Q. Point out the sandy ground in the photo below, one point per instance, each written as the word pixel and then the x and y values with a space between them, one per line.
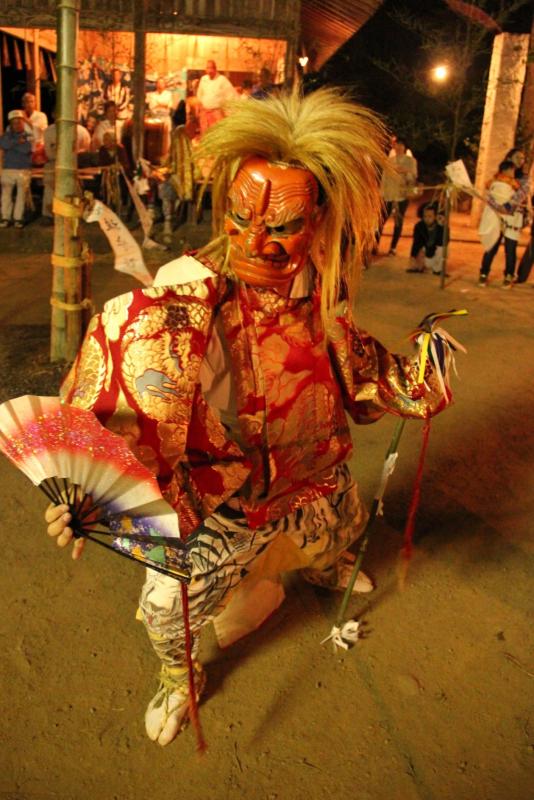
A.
pixel 437 701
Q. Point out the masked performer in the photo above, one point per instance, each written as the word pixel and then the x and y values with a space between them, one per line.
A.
pixel 232 376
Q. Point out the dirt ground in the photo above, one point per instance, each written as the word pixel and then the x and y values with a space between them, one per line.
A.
pixel 437 703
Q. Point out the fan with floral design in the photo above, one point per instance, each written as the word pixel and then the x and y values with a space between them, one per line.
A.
pixel 113 499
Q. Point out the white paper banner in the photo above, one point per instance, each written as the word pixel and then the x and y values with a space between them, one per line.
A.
pixel 128 255
pixel 458 174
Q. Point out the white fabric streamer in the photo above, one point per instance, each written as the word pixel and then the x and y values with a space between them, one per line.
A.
pixel 387 470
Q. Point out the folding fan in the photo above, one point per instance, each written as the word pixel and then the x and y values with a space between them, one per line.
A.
pixel 114 500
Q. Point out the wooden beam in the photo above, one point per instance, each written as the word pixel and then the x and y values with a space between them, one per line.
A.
pixel 36 70
pixel 139 99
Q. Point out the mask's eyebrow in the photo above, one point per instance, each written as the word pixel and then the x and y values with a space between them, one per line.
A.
pixel 289 213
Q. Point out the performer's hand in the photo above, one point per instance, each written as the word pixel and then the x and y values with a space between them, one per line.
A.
pixel 57 519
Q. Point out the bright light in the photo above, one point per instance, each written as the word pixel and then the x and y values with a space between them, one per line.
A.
pixel 303 60
pixel 440 73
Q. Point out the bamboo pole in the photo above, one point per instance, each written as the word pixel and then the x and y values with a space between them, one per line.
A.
pixel 69 306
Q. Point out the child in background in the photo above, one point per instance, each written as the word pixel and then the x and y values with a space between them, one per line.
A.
pixel 427 245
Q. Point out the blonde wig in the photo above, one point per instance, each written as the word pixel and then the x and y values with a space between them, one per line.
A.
pixel 341 143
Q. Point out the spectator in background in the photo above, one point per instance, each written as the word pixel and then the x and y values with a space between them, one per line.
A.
pixel 427 244
pixel 214 92
pixel 83 145
pixel 245 90
pixel 35 119
pixel 113 188
pixel 527 260
pixel 109 123
pixel 525 181
pixel 265 86
pixel 113 152
pixel 120 95
pixel 16 143
pixel 392 152
pixel 91 121
pixel 160 105
pixel 179 116
pixel 37 122
pixel 395 187
pixel 517 156
pixel 502 218
pixel 160 102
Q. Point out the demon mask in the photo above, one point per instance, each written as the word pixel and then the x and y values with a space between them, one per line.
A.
pixel 272 216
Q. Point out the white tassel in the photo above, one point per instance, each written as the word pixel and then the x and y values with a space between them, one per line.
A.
pixel 346 636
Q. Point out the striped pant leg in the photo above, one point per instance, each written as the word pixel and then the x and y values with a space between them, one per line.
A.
pixel 327 527
pixel 222 551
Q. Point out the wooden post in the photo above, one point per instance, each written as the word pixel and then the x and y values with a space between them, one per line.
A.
pixel 139 99
pixel 1 116
pixel 1 112
pixel 526 113
pixel 36 69
pixel 68 300
pixel 446 224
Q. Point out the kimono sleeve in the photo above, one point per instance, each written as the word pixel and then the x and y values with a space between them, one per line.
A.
pixel 138 368
pixel 375 381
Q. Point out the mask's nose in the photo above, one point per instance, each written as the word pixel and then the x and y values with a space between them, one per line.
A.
pixel 255 240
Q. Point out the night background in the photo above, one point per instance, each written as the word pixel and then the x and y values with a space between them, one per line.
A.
pixel 387 66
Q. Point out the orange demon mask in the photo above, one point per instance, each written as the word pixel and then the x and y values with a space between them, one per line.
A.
pixel 271 220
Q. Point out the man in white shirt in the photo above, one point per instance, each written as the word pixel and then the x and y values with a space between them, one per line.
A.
pixel 35 119
pixel 83 144
pixel 396 187
pixel 120 95
pixel 160 102
pixel 213 93
pixel 160 107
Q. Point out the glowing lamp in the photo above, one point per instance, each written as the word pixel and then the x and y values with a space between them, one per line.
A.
pixel 440 73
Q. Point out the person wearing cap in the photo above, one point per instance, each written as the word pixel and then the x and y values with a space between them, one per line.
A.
pixel 16 143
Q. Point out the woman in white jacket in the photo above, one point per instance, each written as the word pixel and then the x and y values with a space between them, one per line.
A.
pixel 502 218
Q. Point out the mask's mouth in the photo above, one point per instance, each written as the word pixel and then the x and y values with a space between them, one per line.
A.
pixel 267 272
pixel 273 255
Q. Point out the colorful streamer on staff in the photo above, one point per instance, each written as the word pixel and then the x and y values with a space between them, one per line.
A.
pixel 437 344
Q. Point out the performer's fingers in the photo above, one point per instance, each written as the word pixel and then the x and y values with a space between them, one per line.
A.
pixel 57 528
pixel 54 512
pixel 65 537
pixel 77 548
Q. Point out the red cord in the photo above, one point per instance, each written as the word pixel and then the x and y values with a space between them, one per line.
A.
pixel 193 704
pixel 406 552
